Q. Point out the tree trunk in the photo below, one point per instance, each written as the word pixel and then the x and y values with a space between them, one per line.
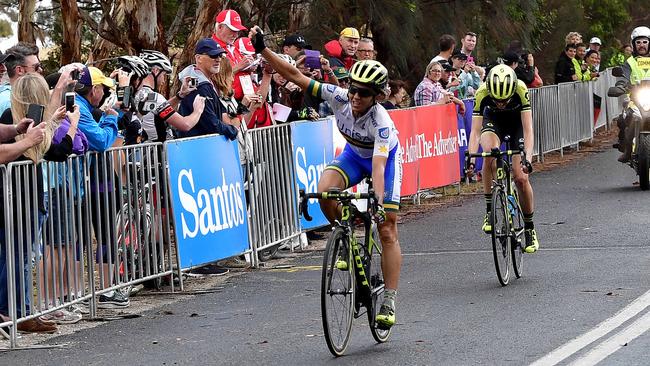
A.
pixel 142 22
pixel 205 14
pixel 25 25
pixel 71 47
pixel 298 17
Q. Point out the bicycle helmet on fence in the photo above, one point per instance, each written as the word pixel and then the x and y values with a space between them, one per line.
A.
pixel 501 82
pixel 155 58
pixel 371 73
pixel 288 59
pixel 135 64
pixel 639 32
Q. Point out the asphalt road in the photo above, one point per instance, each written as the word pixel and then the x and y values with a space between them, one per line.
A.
pixel 581 299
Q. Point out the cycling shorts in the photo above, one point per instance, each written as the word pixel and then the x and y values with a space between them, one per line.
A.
pixel 504 126
pixel 354 168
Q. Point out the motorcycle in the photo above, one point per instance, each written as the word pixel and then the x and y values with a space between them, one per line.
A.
pixel 640 95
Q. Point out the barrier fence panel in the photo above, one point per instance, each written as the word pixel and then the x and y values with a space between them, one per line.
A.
pixel 128 204
pixel 5 257
pixel 585 109
pixel 274 215
pixel 600 87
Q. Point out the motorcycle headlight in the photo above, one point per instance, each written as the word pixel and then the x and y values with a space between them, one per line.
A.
pixel 643 97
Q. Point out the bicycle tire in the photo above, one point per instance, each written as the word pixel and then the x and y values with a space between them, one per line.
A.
pixel 336 283
pixel 517 239
pixel 500 234
pixel 376 278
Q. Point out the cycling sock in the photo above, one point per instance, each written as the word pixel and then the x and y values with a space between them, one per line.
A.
pixel 389 298
pixel 488 201
pixel 528 221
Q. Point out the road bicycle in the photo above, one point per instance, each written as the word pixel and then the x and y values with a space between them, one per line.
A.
pixel 508 239
pixel 352 282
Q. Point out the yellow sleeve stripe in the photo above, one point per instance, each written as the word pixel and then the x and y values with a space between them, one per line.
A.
pixel 314 88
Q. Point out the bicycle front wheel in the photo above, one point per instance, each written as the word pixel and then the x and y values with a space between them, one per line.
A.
pixel 337 292
pixel 376 277
pixel 501 234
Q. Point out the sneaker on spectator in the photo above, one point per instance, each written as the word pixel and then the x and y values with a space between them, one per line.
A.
pixel 112 300
pixel 234 262
pixel 80 308
pixel 62 317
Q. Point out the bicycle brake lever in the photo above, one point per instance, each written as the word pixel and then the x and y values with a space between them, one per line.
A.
pixel 304 206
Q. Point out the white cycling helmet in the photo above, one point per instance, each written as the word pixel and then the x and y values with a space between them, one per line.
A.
pixel 155 58
pixel 288 59
pixel 135 64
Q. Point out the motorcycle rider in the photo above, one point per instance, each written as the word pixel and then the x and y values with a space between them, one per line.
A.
pixel 633 72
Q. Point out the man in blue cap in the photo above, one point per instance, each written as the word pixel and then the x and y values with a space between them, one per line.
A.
pixel 208 56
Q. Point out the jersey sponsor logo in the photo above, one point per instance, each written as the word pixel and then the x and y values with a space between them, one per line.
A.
pixel 330 88
pixel 384 132
pixel 340 99
pixel 383 149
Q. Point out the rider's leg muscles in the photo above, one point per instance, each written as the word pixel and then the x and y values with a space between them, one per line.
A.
pixel 331 178
pixel 391 258
pixel 526 198
pixel 489 140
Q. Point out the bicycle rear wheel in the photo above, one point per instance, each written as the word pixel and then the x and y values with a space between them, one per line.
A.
pixel 337 293
pixel 500 235
pixel 376 278
pixel 517 239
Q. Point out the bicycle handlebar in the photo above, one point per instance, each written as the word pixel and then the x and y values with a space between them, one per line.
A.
pixel 335 195
pixel 496 152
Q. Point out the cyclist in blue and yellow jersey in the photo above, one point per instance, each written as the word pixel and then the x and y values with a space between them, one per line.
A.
pixel 502 108
pixel 372 149
pixel 635 69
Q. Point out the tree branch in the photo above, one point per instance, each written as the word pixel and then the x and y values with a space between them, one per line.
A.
pixel 178 19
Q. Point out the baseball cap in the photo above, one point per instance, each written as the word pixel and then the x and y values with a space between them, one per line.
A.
pixel 295 40
pixel 447 66
pixel 459 55
pixel 596 40
pixel 340 72
pixel 511 57
pixel 350 33
pixel 4 57
pixel 208 46
pixel 245 46
pixel 232 19
pixel 90 76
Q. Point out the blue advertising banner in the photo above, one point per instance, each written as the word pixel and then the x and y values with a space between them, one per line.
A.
pixel 312 151
pixel 464 129
pixel 207 195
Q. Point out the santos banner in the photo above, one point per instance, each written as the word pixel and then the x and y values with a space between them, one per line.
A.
pixel 207 199
pixel 313 149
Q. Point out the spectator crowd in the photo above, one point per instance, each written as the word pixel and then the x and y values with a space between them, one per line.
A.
pixel 227 90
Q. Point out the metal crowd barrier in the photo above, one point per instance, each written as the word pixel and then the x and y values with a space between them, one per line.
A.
pixel 119 197
pixel 272 189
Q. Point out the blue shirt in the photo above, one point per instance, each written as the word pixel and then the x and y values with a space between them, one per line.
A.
pixel 5 97
pixel 100 135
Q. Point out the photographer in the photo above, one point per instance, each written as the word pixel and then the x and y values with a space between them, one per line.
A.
pixel 524 68
pixel 208 56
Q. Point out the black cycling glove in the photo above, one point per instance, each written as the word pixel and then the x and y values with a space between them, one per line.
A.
pixel 258 41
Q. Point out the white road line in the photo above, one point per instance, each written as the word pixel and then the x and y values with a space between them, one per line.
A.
pixel 615 342
pixel 470 251
pixel 597 332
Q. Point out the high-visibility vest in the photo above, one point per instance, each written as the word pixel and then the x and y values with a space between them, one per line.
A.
pixel 640 69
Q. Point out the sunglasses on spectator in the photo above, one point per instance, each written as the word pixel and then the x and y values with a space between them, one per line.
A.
pixel 641 41
pixel 221 55
pixel 361 92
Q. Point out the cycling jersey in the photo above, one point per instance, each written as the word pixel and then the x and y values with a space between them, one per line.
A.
pixel 153 110
pixel 374 133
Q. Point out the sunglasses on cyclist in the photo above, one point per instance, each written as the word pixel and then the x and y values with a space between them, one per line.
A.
pixel 361 92
pixel 644 41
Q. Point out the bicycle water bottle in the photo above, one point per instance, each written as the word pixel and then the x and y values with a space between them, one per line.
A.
pixel 512 205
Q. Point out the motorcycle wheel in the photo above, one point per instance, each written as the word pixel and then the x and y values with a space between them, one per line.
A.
pixel 643 166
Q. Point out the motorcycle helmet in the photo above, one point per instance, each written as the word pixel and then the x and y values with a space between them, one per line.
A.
pixel 639 32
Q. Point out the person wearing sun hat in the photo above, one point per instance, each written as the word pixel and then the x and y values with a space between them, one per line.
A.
pixel 341 51
pixel 90 90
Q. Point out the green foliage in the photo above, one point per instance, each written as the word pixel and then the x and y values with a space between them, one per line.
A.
pixel 5 29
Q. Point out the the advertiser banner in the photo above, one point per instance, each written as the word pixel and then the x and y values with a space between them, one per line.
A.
pixel 436 134
pixel 207 200
pixel 405 123
pixel 464 131
pixel 312 151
